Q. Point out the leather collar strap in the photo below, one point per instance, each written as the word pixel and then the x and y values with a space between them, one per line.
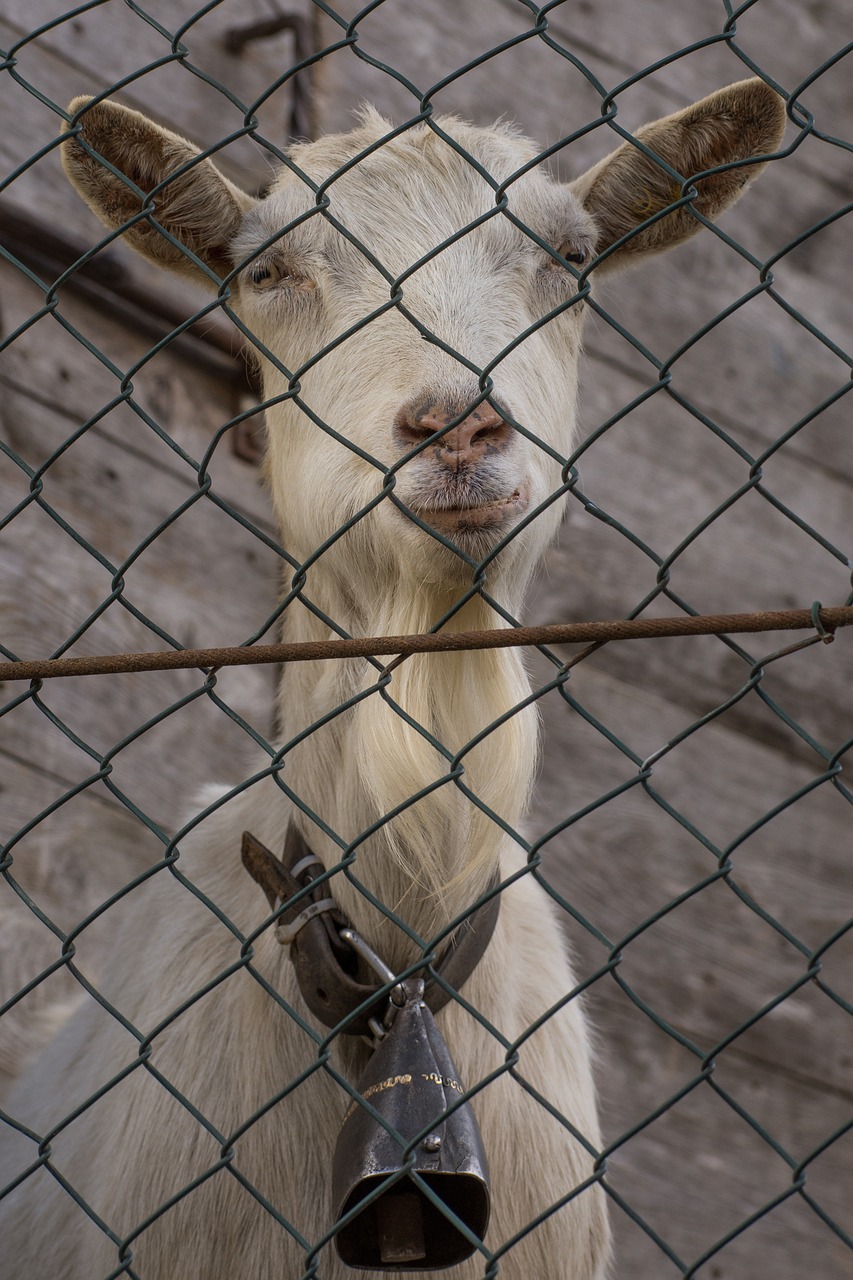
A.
pixel 327 967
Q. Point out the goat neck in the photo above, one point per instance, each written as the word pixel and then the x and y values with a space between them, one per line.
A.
pixel 432 860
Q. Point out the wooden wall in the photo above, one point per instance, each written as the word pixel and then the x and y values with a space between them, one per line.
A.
pixel 699 1168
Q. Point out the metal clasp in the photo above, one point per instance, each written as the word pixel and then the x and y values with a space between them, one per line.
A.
pixel 396 996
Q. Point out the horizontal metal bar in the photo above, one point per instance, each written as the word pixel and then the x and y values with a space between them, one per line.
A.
pixel 829 620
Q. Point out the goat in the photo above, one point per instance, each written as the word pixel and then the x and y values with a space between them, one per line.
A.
pixel 431 455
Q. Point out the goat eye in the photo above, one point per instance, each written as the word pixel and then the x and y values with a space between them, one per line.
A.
pixel 573 254
pixel 268 272
pixel 265 272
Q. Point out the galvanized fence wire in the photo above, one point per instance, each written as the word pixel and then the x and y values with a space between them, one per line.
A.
pixel 33 483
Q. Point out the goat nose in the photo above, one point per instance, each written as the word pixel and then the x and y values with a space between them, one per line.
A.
pixel 480 433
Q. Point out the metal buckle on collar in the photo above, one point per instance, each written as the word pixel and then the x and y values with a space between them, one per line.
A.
pixel 379 1028
pixel 318 937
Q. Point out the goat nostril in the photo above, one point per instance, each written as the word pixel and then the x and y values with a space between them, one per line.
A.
pixel 411 435
pixel 486 435
pixel 479 432
pixel 411 431
pixel 423 430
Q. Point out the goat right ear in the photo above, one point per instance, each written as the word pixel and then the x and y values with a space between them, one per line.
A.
pixel 200 207
pixel 744 121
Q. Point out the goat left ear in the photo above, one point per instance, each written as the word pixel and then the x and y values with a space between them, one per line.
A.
pixel 745 120
pixel 199 207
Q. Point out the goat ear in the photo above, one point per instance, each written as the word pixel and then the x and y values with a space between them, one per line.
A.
pixel 200 208
pixel 744 120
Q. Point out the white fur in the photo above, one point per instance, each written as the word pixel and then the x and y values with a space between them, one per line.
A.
pixel 234 1048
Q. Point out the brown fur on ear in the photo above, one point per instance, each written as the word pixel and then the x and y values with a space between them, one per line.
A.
pixel 743 120
pixel 201 208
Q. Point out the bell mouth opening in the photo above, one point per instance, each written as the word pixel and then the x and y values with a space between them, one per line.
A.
pixel 402 1230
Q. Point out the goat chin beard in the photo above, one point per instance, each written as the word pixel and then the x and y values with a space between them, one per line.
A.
pixel 445 843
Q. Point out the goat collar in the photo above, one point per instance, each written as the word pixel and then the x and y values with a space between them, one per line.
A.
pixel 325 949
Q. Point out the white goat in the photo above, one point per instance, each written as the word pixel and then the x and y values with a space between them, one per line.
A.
pixel 302 286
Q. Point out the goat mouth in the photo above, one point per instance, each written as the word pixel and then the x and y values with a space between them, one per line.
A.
pixel 478 517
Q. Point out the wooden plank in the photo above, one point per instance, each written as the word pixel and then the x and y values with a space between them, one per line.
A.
pixel 114 497
pixel 614 42
pixel 706 967
pixel 540 88
pixel 785 39
pixel 712 962
pixel 187 400
pixel 699 1170
pixel 661 473
pixel 103 46
pixel 759 372
pixel 68 863
pixel 112 43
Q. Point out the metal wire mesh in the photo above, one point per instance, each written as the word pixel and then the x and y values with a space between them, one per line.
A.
pixel 90 765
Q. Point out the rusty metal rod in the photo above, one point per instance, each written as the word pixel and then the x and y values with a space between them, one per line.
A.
pixel 829 620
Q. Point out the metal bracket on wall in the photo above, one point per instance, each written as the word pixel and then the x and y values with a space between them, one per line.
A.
pixel 301 122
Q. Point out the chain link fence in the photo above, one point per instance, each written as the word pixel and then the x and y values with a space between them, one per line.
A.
pixel 699 851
